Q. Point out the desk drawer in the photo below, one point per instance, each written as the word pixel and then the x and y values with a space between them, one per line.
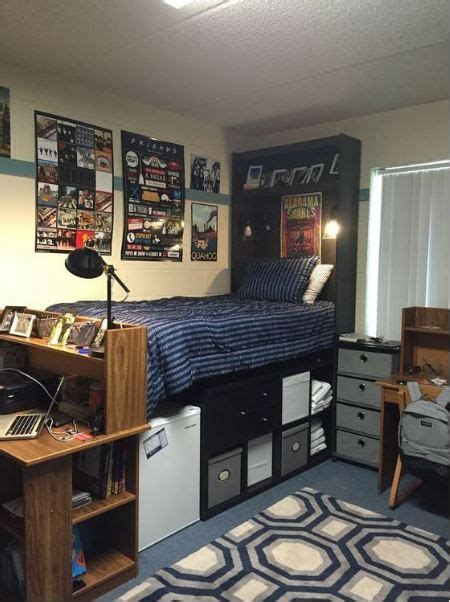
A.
pixel 359 448
pixel 358 419
pixel 359 391
pixel 367 363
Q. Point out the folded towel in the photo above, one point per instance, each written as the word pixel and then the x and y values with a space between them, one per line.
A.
pixel 319 390
pixel 317 434
pixel 315 426
pixel 317 442
pixel 318 449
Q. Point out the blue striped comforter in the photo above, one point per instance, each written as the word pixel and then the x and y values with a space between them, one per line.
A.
pixel 190 339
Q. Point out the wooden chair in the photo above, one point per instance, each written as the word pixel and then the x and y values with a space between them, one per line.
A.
pixel 396 497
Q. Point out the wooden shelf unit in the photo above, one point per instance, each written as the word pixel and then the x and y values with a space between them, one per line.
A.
pixel 40 470
pixel 425 339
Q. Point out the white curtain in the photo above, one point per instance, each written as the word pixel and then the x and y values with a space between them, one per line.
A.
pixel 413 257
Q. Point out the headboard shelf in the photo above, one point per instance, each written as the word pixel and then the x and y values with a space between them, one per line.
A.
pixel 261 208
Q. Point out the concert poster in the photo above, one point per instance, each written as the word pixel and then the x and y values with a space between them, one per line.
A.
pixel 301 224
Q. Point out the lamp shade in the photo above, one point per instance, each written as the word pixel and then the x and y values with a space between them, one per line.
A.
pixel 85 263
pixel 331 229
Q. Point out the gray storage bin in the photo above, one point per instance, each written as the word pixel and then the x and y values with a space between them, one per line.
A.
pixel 224 477
pixel 367 363
pixel 359 391
pixel 294 448
pixel 359 448
pixel 358 419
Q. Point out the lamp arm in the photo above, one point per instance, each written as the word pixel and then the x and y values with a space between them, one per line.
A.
pixel 110 270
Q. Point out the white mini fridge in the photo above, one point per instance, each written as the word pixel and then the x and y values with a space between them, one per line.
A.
pixel 169 473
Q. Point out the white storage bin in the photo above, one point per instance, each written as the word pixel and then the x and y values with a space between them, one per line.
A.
pixel 259 459
pixel 295 397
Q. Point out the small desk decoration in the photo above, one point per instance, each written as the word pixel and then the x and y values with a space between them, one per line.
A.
pixel 22 324
pixel 61 330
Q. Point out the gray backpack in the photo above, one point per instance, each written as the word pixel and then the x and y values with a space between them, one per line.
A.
pixel 423 432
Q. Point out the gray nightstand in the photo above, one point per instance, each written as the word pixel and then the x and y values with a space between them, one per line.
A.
pixel 358 398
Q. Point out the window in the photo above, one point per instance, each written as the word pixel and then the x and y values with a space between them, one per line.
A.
pixel 408 244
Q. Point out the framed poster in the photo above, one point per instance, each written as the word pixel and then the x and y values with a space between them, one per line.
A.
pixel 74 184
pixel 153 182
pixel 205 174
pixel 5 124
pixel 204 232
pixel 301 216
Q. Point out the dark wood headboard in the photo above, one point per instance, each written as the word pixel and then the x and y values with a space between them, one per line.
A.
pixel 261 208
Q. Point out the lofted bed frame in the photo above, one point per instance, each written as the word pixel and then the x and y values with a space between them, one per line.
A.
pixel 240 407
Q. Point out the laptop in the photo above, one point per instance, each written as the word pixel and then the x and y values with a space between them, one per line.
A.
pixel 23 425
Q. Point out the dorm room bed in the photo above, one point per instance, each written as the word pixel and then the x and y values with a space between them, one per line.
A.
pixel 191 339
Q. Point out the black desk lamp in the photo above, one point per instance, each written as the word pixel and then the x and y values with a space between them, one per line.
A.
pixel 88 263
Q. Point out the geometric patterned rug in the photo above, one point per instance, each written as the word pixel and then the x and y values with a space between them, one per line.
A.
pixel 309 546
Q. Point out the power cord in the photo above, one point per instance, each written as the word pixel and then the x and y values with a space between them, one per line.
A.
pixel 66 435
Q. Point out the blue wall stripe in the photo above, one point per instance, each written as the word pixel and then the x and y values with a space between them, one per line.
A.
pixel 16 167
pixel 27 169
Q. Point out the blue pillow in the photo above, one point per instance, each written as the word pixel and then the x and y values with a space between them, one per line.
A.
pixel 277 279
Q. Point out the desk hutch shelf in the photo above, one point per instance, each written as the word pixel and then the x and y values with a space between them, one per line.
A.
pixel 40 470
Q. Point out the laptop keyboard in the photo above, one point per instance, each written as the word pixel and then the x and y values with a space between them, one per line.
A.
pixel 24 425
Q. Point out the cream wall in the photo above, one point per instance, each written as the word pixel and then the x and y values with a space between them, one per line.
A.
pixel 416 134
pixel 38 279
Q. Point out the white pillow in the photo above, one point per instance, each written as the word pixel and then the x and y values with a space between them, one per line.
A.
pixel 317 280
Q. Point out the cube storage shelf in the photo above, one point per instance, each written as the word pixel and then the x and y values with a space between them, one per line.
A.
pixel 246 446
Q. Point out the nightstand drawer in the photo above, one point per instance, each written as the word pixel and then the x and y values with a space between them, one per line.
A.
pixel 367 363
pixel 358 419
pixel 357 447
pixel 358 390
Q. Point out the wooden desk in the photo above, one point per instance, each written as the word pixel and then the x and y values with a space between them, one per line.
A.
pixel 390 415
pixel 40 470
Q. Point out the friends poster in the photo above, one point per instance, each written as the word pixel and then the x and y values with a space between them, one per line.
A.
pixel 153 176
pixel 5 123
pixel 204 232
pixel 74 184
pixel 301 224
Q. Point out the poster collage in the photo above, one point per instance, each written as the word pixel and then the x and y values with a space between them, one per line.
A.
pixel 75 190
pixel 74 184
pixel 153 176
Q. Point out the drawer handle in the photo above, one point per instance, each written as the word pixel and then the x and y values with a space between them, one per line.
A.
pixel 361 415
pixel 363 357
pixel 264 394
pixel 224 475
pixel 242 413
pixel 295 446
pixel 264 420
pixel 362 387
pixel 361 443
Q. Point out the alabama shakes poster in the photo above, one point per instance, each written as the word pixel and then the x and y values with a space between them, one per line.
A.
pixel 153 176
pixel 301 224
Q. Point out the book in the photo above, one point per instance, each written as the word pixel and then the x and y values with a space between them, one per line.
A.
pixel 91 470
pixel 78 559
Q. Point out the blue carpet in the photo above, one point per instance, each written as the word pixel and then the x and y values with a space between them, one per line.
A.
pixel 425 509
